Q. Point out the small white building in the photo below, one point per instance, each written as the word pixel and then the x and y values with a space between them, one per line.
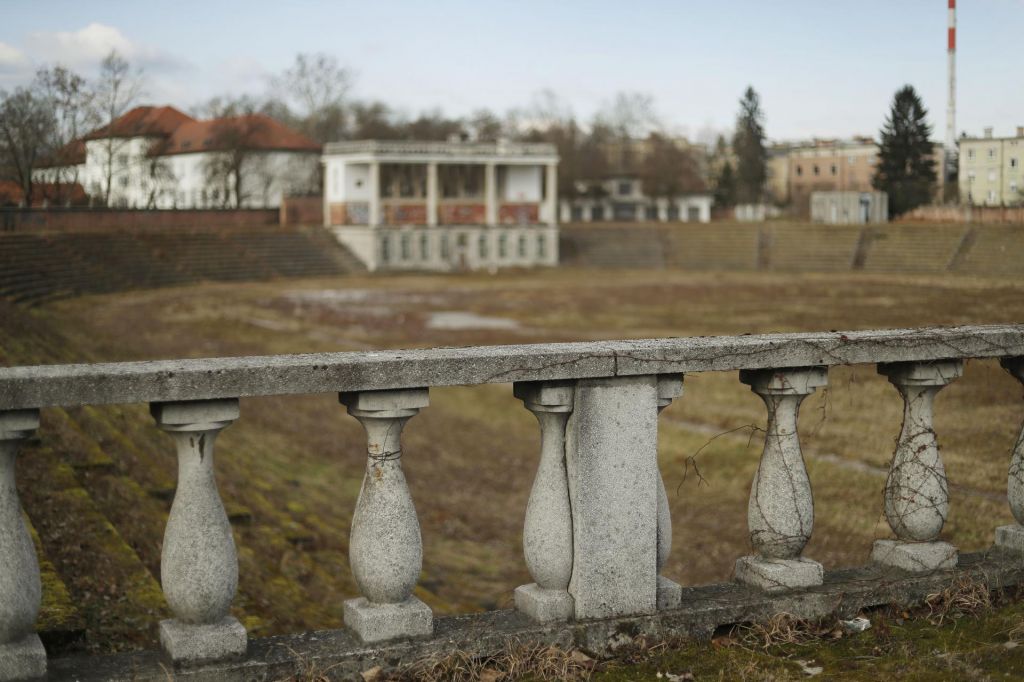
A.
pixel 621 199
pixel 159 157
pixel 849 208
pixel 401 205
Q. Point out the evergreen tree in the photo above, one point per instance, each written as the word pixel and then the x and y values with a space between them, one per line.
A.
pixel 906 169
pixel 725 186
pixel 751 155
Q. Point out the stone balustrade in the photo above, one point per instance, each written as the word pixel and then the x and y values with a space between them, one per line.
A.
pixel 597 527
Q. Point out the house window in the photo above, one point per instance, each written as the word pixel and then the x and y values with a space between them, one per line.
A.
pixel 482 246
pixel 406 247
pixel 522 246
pixel 385 249
pixel 542 246
pixel 1013 187
pixel 834 169
pixel 123 181
pixel 424 246
pixel 991 152
pixel 799 170
pixel 1013 162
pixel 503 246
pixel 970 176
pixel 817 171
pixel 625 189
pixel 992 196
pixel 970 154
pixel 122 159
pixel 444 246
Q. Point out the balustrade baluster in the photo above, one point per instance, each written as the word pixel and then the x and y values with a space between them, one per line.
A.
pixel 1012 536
pixel 670 593
pixel 916 491
pixel 21 652
pixel 547 531
pixel 198 564
pixel 385 547
pixel 780 514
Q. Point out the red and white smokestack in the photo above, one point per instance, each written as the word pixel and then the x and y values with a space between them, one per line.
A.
pixel 951 102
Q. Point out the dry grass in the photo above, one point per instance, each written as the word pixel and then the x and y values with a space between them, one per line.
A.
pixel 965 596
pixel 517 661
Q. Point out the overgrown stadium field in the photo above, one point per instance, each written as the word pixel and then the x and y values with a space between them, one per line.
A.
pixel 97 486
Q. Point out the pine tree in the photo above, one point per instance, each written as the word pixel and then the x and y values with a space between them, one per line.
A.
pixel 725 186
pixel 906 169
pixel 751 155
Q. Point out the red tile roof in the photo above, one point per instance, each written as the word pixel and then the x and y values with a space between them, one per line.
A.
pixel 143 121
pixel 252 131
pixel 182 134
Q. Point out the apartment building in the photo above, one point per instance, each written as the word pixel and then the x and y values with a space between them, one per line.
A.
pixel 990 169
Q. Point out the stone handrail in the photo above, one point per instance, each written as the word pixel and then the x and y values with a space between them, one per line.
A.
pixel 597 526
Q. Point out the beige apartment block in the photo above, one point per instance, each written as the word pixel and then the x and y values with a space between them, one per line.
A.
pixel 828 166
pixel 990 169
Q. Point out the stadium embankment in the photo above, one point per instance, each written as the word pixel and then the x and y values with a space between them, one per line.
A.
pixel 986 250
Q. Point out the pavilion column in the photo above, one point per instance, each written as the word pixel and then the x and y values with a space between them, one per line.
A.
pixel 551 193
pixel 432 193
pixel 374 190
pixel 916 492
pixel 490 194
pixel 21 652
pixel 1012 536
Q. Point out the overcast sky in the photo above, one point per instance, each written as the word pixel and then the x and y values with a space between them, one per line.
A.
pixel 823 67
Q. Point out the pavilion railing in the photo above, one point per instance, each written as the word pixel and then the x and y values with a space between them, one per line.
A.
pixel 597 526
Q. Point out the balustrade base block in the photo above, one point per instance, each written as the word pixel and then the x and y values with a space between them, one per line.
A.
pixel 381 622
pixel 544 606
pixel 778 575
pixel 670 594
pixel 22 660
pixel 916 557
pixel 704 608
pixel 195 643
pixel 1010 537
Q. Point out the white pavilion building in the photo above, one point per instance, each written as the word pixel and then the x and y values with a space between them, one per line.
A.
pixel 401 205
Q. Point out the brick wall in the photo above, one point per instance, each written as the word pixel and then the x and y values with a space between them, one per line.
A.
pixel 100 220
pixel 462 214
pixel 519 214
pixel 302 211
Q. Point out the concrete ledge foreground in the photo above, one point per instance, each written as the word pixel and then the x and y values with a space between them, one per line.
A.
pixel 212 378
pixel 844 592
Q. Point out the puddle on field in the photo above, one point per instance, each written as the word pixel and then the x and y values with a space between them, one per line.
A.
pixel 460 319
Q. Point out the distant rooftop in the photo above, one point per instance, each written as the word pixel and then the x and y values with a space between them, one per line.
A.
pixel 412 148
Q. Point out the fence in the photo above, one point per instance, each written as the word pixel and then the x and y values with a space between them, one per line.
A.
pixel 597 525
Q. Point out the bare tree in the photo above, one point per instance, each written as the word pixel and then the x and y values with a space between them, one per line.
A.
pixel 630 116
pixel 317 86
pixel 236 167
pixel 118 89
pixel 26 131
pixel 668 170
pixel 70 99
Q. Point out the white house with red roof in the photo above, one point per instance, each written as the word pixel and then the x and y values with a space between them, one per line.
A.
pixel 159 157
